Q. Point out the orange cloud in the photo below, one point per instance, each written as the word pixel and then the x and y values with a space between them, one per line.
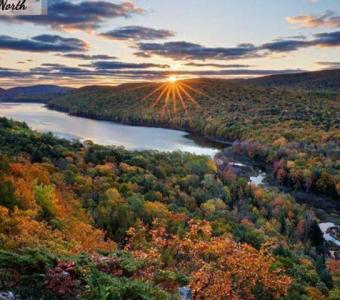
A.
pixel 328 19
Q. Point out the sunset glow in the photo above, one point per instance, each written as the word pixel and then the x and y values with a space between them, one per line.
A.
pixel 172 79
pixel 173 95
pixel 114 42
pixel 170 149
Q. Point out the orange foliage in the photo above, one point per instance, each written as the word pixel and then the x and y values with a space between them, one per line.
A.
pixel 315 294
pixel 129 169
pixel 333 266
pixel 18 230
pixel 24 177
pixel 88 239
pixel 106 168
pixel 219 268
pixel 30 171
pixel 48 216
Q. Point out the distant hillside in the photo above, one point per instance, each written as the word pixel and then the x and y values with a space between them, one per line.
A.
pixel 328 80
pixel 38 93
pixel 273 123
pixel 223 108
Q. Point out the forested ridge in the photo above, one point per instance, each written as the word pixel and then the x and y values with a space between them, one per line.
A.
pixel 83 221
pixel 294 132
pixel 35 93
pixel 324 80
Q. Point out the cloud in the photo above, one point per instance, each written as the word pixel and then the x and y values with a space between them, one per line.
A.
pixel 42 43
pixel 189 51
pixel 73 75
pixel 329 64
pixel 143 54
pixel 137 33
pixel 89 57
pixel 115 65
pixel 60 70
pixel 85 15
pixel 193 64
pixel 326 39
pixel 284 45
pixel 328 19
pixel 10 73
pixel 235 72
pixel 293 37
pixel 185 51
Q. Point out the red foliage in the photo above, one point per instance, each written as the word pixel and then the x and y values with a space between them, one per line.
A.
pixel 62 280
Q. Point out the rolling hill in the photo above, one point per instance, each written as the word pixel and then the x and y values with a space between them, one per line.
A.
pixel 36 93
pixel 84 221
pixel 93 222
pixel 212 107
pixel 326 81
pixel 293 132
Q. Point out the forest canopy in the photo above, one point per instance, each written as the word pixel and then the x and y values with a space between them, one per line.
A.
pixel 294 133
pixel 88 221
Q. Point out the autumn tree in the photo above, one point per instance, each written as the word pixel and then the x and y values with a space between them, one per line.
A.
pixel 218 267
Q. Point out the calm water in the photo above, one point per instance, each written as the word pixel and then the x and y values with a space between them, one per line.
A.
pixel 40 118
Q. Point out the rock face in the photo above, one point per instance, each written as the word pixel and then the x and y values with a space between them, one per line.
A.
pixel 185 293
pixel 331 233
pixel 7 296
pixel 227 163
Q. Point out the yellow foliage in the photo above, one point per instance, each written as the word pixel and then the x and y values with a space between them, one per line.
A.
pixel 156 209
pixel 212 205
pixel 212 166
pixel 290 164
pixel 113 195
pixel 315 294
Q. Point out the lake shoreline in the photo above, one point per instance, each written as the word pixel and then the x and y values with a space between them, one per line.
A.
pixel 106 132
pixel 322 206
pixel 301 196
pixel 193 133
pixel 318 202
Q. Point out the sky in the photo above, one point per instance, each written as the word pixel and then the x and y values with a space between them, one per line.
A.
pixel 85 42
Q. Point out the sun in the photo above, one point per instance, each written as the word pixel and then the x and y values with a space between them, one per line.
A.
pixel 173 95
pixel 172 79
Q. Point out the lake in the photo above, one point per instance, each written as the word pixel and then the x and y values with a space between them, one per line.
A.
pixel 42 119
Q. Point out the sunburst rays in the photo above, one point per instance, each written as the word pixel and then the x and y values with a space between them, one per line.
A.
pixel 173 96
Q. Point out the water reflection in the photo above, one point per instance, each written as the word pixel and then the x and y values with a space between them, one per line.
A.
pixel 40 118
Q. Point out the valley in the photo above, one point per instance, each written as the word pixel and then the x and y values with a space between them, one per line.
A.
pixel 250 181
